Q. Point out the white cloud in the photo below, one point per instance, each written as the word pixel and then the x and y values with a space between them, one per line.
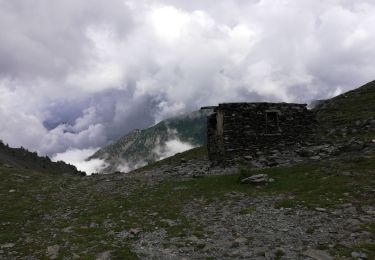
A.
pixel 103 69
pixel 172 146
pixel 78 158
pixel 169 22
pixel 126 166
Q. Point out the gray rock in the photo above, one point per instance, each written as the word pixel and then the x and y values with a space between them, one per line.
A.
pixel 52 252
pixel 359 255
pixel 317 254
pixel 368 209
pixel 256 164
pixel 208 248
pixel 134 231
pixel 93 225
pixel 67 230
pixel 259 178
pixel 8 245
pixel 103 256
pixel 169 222
pixel 123 234
pixel 239 241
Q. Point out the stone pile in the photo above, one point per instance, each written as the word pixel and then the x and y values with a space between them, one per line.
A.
pixel 357 127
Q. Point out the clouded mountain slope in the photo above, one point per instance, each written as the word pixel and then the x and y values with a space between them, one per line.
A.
pixel 164 139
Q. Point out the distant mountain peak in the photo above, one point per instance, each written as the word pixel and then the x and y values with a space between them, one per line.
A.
pixel 140 147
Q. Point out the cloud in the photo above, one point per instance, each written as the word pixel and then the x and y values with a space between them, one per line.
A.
pixel 171 146
pixel 125 166
pixel 78 158
pixel 77 74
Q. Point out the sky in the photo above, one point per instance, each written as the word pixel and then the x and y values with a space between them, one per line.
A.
pixel 77 74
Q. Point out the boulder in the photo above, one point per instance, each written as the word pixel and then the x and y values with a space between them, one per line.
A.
pixel 359 255
pixel 52 252
pixel 317 254
pixel 257 179
pixel 104 256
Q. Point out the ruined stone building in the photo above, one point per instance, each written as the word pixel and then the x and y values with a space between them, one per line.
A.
pixel 246 130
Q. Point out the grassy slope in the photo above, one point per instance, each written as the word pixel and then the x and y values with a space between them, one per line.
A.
pixel 38 207
pixel 345 109
pixel 348 107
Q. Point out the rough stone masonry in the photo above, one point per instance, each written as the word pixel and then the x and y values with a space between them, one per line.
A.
pixel 247 130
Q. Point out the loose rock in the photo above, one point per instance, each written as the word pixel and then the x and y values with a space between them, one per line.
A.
pixel 104 256
pixel 317 254
pixel 359 255
pixel 53 251
pixel 8 245
pixel 257 179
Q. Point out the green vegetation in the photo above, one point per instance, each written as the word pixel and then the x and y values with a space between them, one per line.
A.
pixel 343 252
pixel 348 111
pixel 344 109
pixel 248 210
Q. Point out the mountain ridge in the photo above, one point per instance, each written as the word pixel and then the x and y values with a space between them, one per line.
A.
pixel 21 158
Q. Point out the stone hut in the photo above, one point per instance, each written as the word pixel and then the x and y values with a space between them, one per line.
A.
pixel 247 130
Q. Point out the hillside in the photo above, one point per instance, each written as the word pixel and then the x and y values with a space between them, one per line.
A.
pixel 22 159
pixel 317 206
pixel 312 208
pixel 349 114
pixel 141 147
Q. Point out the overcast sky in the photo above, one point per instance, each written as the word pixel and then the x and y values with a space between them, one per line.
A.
pixel 75 74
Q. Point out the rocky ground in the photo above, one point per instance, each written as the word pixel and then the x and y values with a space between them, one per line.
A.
pixel 251 228
pixel 315 208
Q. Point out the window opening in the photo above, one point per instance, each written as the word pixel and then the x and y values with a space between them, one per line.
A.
pixel 272 123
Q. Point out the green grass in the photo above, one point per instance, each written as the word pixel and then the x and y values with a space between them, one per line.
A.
pixel 349 107
pixel 344 110
pixel 248 210
pixel 343 252
pixel 369 227
pixel 23 215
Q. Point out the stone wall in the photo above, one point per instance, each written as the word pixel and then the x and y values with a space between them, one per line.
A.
pixel 246 130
